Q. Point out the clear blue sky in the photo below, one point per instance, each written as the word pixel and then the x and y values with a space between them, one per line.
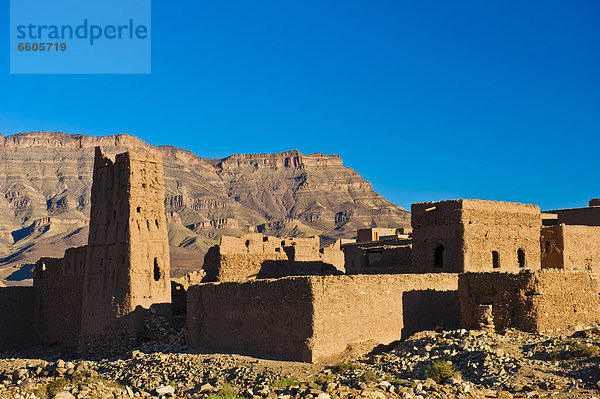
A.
pixel 427 100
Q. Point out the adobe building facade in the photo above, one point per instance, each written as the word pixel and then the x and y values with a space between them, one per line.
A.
pixel 475 236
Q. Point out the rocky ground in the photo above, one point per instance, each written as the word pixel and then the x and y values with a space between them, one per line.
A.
pixel 465 364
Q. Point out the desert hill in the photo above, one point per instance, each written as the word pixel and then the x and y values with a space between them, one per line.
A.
pixel 45 181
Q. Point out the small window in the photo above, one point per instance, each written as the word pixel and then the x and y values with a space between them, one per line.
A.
pixel 521 257
pixel 438 255
pixel 277 249
pixel 265 239
pixel 139 209
pixel 247 243
pixel 156 270
pixel 495 259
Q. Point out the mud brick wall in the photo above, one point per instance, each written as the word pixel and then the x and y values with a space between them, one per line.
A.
pixel 315 318
pixel 474 235
pixel 17 318
pixel 271 317
pixel 571 247
pixel 534 301
pixel 383 308
pixel 58 286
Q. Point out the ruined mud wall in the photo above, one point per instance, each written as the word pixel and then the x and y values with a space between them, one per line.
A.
pixel 269 317
pixel 17 318
pixel 475 235
pixel 382 308
pixel 534 301
pixel 315 318
pixel 58 286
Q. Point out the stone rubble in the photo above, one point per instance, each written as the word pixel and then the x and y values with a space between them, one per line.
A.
pixel 491 365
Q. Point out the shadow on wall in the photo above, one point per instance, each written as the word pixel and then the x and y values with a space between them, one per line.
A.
pixel 286 268
pixel 429 310
pixel 17 316
pixel 178 298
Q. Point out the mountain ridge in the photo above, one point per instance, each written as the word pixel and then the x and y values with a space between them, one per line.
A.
pixel 46 178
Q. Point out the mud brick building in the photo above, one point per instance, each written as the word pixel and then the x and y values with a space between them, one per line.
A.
pixel 475 236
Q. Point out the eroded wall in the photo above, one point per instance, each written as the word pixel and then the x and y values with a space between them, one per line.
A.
pixel 315 318
pixel 533 301
pixel 58 287
pixel 268 317
pixel 381 308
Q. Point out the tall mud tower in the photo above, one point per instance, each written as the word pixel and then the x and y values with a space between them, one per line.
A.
pixel 127 263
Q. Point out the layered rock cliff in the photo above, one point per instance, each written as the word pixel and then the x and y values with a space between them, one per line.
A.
pixel 45 181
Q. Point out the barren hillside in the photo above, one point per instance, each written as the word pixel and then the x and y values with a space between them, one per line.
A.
pixel 45 181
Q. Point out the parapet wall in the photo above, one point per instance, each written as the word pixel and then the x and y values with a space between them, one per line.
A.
pixel 17 318
pixel 540 301
pixel 315 318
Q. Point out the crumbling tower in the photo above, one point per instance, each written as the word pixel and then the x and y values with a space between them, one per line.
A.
pixel 127 262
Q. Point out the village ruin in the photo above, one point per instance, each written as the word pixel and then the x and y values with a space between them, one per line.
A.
pixel 464 263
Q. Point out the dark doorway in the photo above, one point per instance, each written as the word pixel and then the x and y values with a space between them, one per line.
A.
pixel 495 259
pixel 521 257
pixel 438 257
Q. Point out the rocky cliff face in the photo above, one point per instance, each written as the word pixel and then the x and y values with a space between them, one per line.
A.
pixel 45 181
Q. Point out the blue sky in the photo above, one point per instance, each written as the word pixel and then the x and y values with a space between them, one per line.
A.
pixel 427 100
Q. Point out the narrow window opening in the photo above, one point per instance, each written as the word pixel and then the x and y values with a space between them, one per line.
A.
pixel 139 209
pixel 156 270
pixel 495 259
pixel 521 257
pixel 247 243
pixel 156 222
pixel 438 256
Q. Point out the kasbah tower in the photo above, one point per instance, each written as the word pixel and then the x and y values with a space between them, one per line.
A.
pixel 127 262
